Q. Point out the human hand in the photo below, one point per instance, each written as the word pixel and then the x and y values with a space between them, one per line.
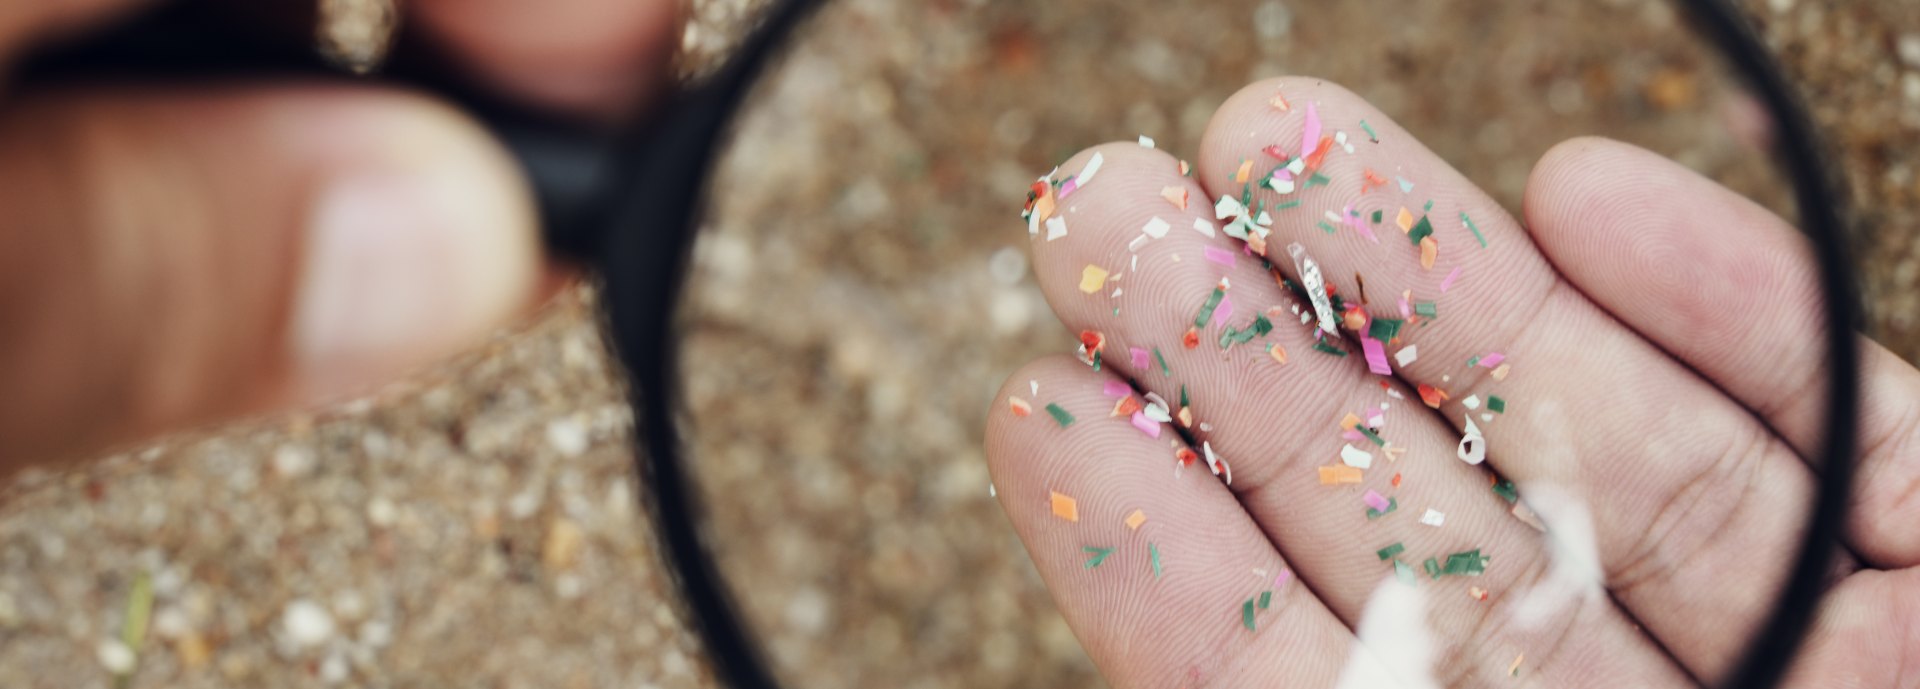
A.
pixel 1651 338
pixel 174 256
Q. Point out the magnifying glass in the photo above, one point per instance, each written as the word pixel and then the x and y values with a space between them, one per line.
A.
pixel 606 198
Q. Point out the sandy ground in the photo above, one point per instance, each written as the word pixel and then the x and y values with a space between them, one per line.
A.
pixel 859 292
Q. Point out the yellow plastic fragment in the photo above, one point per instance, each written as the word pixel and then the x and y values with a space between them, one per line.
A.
pixel 1092 278
pixel 1065 507
pixel 1136 519
pixel 1335 475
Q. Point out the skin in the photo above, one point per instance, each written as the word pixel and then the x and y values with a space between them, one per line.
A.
pixel 108 333
pixel 1656 325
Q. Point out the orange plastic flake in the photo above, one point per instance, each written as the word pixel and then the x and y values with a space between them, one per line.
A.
pixel 1348 422
pixel 1513 670
pixel 1093 340
pixel 1396 480
pixel 1433 396
pixel 1126 406
pixel 1019 407
pixel 1354 319
pixel 1278 353
pixel 1370 180
pixel 1043 206
pixel 1136 519
pixel 1191 339
pixel 1257 243
pixel 1404 220
pixel 1338 474
pixel 1319 154
pixel 1244 173
pixel 1501 372
pixel 1176 196
pixel 1065 507
pixel 1186 456
pixel 1429 250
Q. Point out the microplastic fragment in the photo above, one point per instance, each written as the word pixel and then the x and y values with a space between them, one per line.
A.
pixel 1426 309
pixel 1492 359
pixel 1203 227
pixel 1065 507
pixel 1477 593
pixel 1139 357
pixel 1375 500
pixel 1245 172
pixel 1329 229
pixel 1246 614
pixel 1125 405
pixel 1060 415
pixel 1451 277
pixel 1513 670
pixel 1496 405
pixel 1356 457
pixel 1156 228
pixel 1092 168
pixel 1388 552
pixel 1322 346
pixel 1315 287
pixel 1266 597
pixel 1369 130
pixel 1433 517
pixel 1019 407
pixel 1471 402
pixel 1092 278
pixel 1407 355
pixel 1384 329
pixel 1405 186
pixel 1501 373
pixel 1218 255
pixel 1099 556
pixel 1207 308
pixel 1475 228
pixel 1506 490
pixel 1163 362
pixel 1432 565
pixel 1472 449
pixel 1115 388
pixel 1153 554
pixel 1392 504
pixel 1431 395
pixel 1403 572
pixel 1278 352
pixel 1146 141
pixel 1370 435
pixel 1284 205
pixel 1176 196
pixel 1404 220
pixel 1135 519
pixel 1335 475
pixel 1136 244
pixel 1420 230
pixel 1376 355
pixel 1429 252
pixel 1056 227
pixel 1145 424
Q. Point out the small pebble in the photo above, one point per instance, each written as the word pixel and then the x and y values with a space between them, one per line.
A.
pixel 306 624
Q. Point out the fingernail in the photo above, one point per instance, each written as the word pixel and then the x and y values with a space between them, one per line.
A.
pixel 399 269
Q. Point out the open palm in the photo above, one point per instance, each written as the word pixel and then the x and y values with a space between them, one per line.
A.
pixel 1645 348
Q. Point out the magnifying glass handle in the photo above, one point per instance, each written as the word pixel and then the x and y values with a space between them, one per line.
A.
pixel 187 41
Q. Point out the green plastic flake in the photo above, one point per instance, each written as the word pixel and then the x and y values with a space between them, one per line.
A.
pixel 1420 230
pixel 1496 404
pixel 1369 130
pixel 1426 309
pixel 1325 226
pixel 1392 504
pixel 1099 556
pixel 1469 563
pixel 133 631
pixel 1096 362
pixel 1315 180
pixel 1153 553
pixel 1473 361
pixel 1284 205
pixel 1376 217
pixel 1163 362
pixel 1322 346
pixel 1429 206
pixel 1432 566
pixel 1368 432
pixel 1388 552
pixel 1246 614
pixel 1246 195
pixel 1339 303
pixel 1262 326
pixel 1266 597
pixel 1475 228
pixel 1506 490
pixel 1059 414
pixel 1384 329
pixel 1206 310
pixel 1234 337
pixel 1405 573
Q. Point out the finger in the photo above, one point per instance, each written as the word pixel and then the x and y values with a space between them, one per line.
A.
pixel 1694 510
pixel 1185 590
pixel 172 258
pixel 1279 424
pixel 1728 287
pixel 1866 634
pixel 600 58
pixel 24 23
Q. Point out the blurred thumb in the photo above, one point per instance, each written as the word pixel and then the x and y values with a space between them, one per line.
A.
pixel 172 258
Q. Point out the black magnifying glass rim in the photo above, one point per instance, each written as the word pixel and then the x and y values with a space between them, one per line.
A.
pixel 642 308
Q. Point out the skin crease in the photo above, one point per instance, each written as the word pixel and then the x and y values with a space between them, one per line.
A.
pixel 1688 529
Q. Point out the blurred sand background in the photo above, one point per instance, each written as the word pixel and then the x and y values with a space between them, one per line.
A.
pixel 859 291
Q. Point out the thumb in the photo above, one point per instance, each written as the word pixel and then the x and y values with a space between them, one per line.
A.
pixel 171 258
